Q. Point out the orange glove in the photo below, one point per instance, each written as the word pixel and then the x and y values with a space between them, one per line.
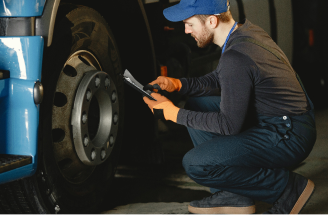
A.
pixel 168 84
pixel 162 106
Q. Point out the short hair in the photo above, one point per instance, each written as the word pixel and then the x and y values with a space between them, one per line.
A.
pixel 223 17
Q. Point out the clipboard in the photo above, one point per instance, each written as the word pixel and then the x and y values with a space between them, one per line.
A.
pixel 132 82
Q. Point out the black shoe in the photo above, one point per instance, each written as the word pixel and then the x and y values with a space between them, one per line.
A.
pixel 296 194
pixel 223 202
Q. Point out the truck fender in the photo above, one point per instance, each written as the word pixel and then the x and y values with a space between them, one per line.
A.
pixel 44 25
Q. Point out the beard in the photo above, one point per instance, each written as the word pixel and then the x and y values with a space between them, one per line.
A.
pixel 205 39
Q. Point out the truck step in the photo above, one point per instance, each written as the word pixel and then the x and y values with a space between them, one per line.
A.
pixel 10 162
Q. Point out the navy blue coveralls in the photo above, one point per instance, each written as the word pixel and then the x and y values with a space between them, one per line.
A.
pixel 252 163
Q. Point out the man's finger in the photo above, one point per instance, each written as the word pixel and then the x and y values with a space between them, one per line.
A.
pixel 149 102
pixel 155 82
pixel 160 80
pixel 152 83
pixel 156 96
pixel 146 99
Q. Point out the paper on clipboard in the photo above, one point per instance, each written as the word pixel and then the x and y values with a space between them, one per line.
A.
pixel 131 81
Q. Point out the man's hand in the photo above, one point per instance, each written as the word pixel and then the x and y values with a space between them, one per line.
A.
pixel 168 84
pixel 162 106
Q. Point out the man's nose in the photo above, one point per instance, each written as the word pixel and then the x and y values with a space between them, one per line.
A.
pixel 188 31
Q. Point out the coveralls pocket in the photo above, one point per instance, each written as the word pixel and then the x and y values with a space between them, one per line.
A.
pixel 277 128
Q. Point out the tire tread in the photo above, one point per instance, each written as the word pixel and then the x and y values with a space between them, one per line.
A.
pixel 13 199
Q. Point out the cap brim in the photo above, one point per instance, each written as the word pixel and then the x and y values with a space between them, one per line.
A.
pixel 177 13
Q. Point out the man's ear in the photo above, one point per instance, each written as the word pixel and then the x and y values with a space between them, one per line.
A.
pixel 213 21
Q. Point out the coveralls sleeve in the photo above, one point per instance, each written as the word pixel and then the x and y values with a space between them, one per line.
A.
pixel 206 85
pixel 235 73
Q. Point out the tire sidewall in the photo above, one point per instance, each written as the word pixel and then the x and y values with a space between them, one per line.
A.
pixel 68 39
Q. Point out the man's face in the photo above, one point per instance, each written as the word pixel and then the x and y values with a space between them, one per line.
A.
pixel 199 31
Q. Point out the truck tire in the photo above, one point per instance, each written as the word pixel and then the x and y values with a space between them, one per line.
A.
pixel 74 174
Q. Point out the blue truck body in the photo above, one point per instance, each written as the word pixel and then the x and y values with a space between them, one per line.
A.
pixel 21 8
pixel 19 115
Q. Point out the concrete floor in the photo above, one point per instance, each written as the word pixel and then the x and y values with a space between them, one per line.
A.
pixel 166 189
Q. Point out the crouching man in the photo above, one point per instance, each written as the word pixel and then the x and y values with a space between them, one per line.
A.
pixel 249 120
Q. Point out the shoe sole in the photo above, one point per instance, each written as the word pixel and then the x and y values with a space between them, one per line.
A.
pixel 222 210
pixel 304 198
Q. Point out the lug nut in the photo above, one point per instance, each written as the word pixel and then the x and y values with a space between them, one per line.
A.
pixel 111 141
pixel 97 82
pixel 84 118
pixel 103 154
pixel 89 94
pixel 107 82
pixel 113 97
pixel 115 118
pixel 93 155
pixel 57 208
pixel 86 141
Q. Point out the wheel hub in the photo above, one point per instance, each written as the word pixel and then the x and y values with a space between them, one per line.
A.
pixel 95 117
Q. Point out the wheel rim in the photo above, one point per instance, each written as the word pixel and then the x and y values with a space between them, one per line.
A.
pixel 85 117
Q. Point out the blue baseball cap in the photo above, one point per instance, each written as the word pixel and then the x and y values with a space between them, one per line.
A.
pixel 188 8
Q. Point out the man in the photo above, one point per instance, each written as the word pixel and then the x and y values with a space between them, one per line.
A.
pixel 249 120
